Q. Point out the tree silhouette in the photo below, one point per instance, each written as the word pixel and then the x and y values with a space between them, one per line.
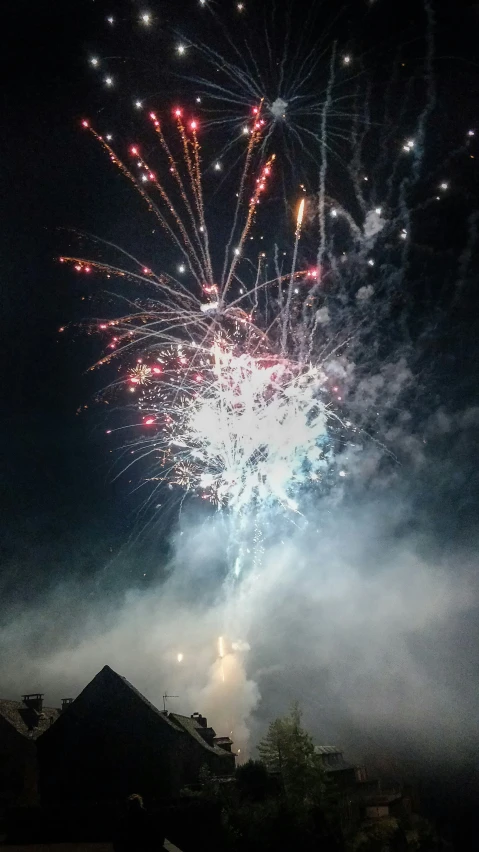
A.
pixel 287 751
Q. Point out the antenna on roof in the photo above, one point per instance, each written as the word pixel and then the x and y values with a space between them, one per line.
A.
pixel 165 699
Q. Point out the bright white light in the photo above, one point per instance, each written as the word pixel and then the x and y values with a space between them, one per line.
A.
pixel 408 145
pixel 198 100
pixel 207 480
pixel 180 49
pixel 444 185
pixel 111 20
pixel 240 7
pixel 109 137
pixel 403 234
pixel 180 658
pixel 145 18
pixel 218 167
pixel 144 178
pixel 278 108
pixel 236 251
pixel 378 210
pixel 342 473
pixel 209 307
pixel 108 81
pixel 181 268
pixel 371 262
pixel 296 290
pixel 274 428
pixel 245 130
pixel 94 61
pixel 334 213
pixel 139 104
pixel 346 59
pixel 471 132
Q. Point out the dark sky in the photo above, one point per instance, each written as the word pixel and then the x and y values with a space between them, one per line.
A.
pixel 61 512
pixel 64 518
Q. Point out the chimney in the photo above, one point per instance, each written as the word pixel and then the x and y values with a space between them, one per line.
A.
pixel 204 731
pixel 66 703
pixel 223 742
pixel 34 701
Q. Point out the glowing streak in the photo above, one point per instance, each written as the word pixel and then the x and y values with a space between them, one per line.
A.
pixel 221 653
pixel 299 219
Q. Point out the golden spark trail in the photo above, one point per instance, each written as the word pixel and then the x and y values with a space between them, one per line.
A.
pixel 201 206
pixel 254 138
pixel 260 186
pixel 188 250
pixel 286 314
pixel 202 243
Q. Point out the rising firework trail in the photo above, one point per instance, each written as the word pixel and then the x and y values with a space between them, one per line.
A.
pixel 299 222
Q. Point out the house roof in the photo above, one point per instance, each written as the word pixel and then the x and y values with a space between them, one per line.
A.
pixel 180 724
pixel 25 720
pixel 327 750
pixel 166 717
pixel 339 763
pixel 192 727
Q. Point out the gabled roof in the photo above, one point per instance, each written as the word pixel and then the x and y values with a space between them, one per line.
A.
pixel 318 749
pixel 26 721
pixel 106 670
pixel 334 765
pixel 192 727
pixel 108 679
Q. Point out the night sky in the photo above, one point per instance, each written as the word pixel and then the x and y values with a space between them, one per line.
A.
pixel 66 522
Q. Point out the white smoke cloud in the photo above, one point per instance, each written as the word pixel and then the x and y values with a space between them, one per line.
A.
pixel 365 293
pixel 373 223
pixel 341 616
pixel 323 316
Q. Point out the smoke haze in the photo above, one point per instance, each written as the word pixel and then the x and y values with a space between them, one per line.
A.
pixel 359 612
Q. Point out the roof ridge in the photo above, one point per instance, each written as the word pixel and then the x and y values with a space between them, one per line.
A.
pixel 107 670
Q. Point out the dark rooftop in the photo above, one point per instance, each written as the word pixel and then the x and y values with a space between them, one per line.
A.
pixel 27 721
pixel 192 727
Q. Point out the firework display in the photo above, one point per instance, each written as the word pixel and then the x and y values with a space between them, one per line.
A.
pixel 233 405
pixel 234 365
